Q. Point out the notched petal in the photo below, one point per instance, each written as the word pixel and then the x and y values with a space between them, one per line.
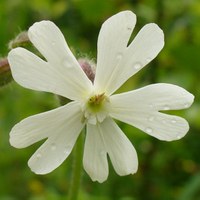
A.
pixel 61 74
pixel 141 108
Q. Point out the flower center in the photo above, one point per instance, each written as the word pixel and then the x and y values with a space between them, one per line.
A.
pixel 96 108
pixel 95 102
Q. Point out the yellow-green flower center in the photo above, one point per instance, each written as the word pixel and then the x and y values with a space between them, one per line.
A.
pixel 95 102
pixel 96 108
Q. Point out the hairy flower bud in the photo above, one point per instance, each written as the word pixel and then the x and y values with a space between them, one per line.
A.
pixel 88 67
pixel 5 73
pixel 20 40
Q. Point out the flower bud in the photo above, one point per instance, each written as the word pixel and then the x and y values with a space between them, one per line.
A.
pixel 88 67
pixel 21 40
pixel 5 72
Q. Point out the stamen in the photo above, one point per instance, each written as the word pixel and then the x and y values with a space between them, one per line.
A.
pixel 97 99
pixel 96 108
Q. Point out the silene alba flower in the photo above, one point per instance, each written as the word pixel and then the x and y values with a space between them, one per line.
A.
pixel 93 103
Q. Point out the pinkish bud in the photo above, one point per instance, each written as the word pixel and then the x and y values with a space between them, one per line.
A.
pixel 5 73
pixel 88 67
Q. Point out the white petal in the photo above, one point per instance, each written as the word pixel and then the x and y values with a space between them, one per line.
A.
pixel 58 146
pixel 61 74
pixel 143 49
pixel 103 138
pixel 120 150
pixel 140 109
pixel 112 42
pixel 32 72
pixel 95 157
pixel 62 127
pixel 49 40
pixel 41 126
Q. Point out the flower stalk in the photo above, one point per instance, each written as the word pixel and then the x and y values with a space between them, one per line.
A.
pixel 77 169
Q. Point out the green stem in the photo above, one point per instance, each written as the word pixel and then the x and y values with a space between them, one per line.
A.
pixel 77 160
pixel 77 167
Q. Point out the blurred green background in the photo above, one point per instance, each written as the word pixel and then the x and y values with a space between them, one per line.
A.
pixel 167 170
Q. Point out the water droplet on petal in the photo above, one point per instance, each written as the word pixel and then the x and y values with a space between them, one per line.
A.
pixel 53 146
pixel 66 63
pixel 39 155
pixel 186 105
pixel 67 150
pixel 149 59
pixel 166 107
pixel 129 28
pixel 163 121
pixel 151 105
pixel 119 56
pixel 178 136
pixel 137 65
pixel 151 118
pixel 53 43
pixel 173 121
pixel 148 130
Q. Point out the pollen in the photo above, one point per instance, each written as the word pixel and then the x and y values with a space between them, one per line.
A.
pixel 96 108
pixel 96 102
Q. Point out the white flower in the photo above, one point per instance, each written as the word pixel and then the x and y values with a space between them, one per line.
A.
pixel 94 104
